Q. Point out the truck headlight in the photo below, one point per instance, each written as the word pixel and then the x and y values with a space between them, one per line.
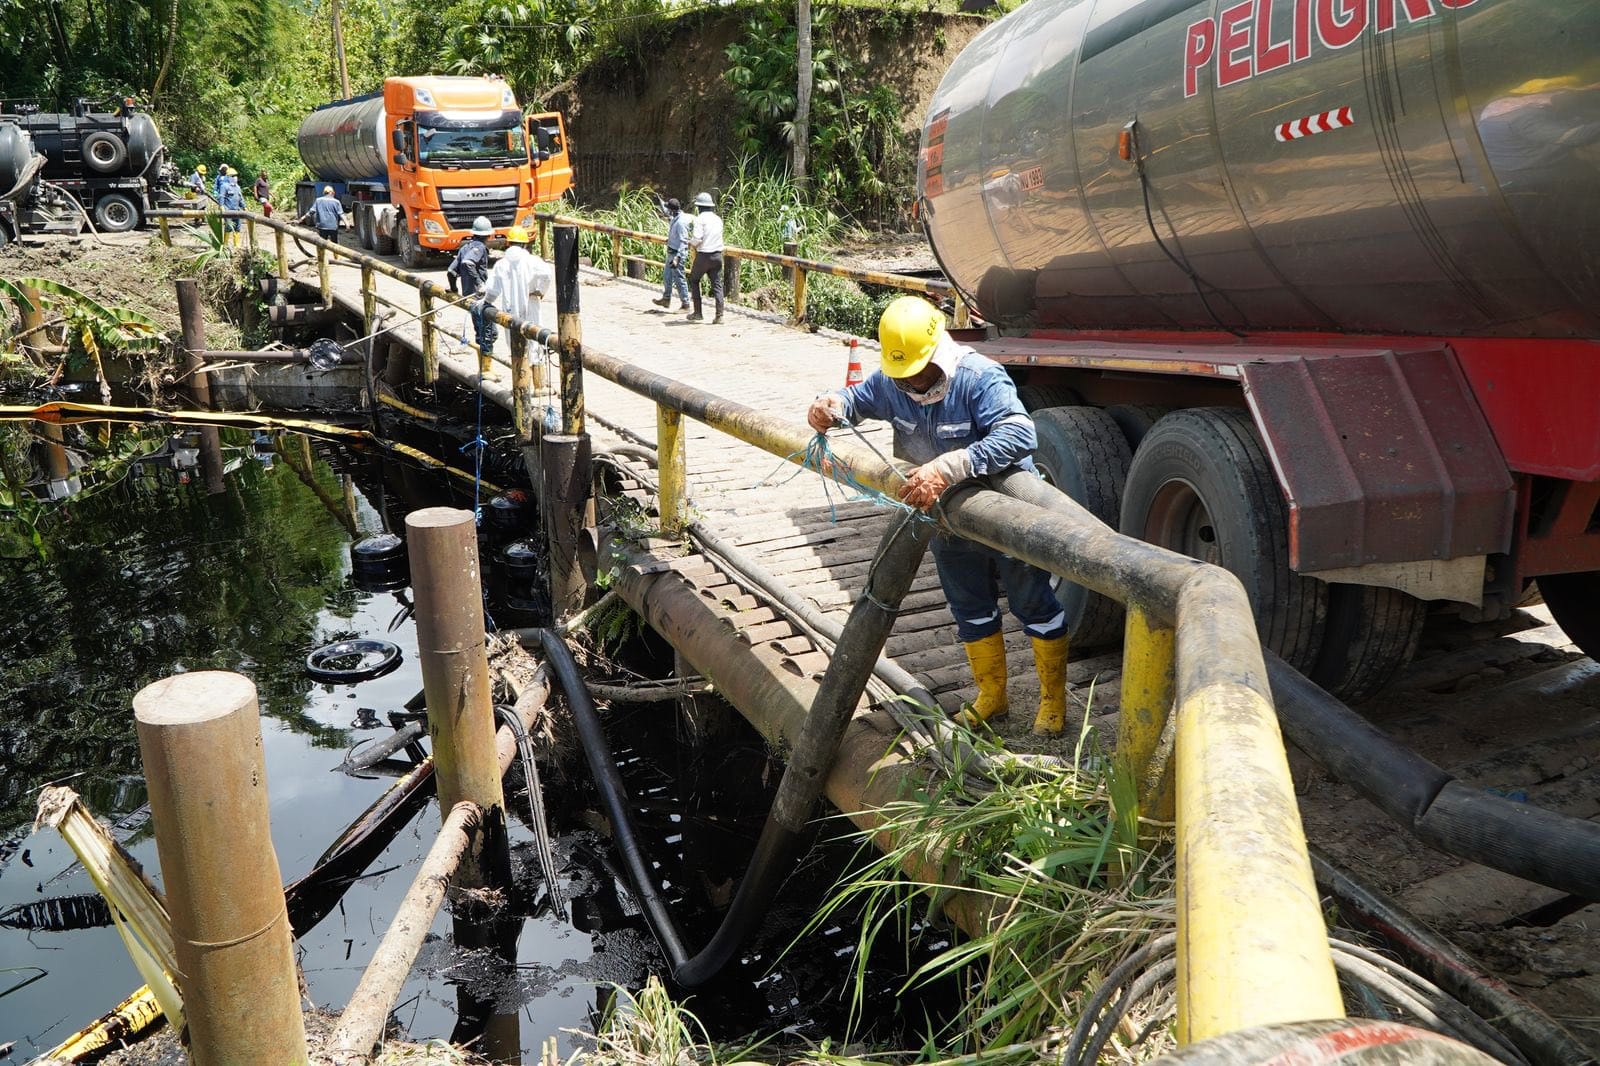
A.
pixel 528 218
pixel 432 226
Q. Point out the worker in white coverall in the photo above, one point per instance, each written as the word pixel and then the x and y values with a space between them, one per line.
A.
pixel 516 285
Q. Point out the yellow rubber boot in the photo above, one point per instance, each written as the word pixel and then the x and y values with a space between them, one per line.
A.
pixel 988 660
pixel 1050 660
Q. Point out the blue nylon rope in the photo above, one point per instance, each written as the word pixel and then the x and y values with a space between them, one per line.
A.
pixel 818 457
pixel 477 445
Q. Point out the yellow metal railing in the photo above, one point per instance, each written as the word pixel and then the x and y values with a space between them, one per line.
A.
pixel 797 267
pixel 1197 728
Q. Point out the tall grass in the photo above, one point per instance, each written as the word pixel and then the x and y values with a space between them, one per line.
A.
pixel 1049 856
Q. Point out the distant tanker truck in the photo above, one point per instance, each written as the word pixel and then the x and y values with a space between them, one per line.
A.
pixel 112 162
pixel 1307 288
pixel 418 161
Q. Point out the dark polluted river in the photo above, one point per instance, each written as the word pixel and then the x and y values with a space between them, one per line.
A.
pixel 138 573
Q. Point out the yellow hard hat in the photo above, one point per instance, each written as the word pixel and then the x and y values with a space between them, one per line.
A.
pixel 908 333
pixel 517 235
pixel 200 167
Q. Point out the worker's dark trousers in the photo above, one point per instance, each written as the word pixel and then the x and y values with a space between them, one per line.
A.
pixel 329 235
pixel 706 264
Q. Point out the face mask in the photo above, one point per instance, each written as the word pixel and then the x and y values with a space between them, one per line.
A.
pixel 932 396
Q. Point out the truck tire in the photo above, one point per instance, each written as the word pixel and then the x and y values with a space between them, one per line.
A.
pixel 383 243
pixel 1039 397
pixel 363 226
pixel 1081 452
pixel 1201 484
pixel 104 152
pixel 1574 602
pixel 115 213
pixel 1135 419
pixel 1371 633
pixel 411 251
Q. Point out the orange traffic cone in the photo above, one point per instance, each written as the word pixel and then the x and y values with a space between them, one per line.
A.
pixel 853 374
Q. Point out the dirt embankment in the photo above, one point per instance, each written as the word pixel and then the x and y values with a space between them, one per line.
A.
pixel 664 116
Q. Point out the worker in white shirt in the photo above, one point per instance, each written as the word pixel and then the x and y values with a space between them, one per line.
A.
pixel 516 285
pixel 705 237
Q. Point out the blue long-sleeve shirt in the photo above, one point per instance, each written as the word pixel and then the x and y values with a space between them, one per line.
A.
pixel 980 412
pixel 326 212
pixel 678 232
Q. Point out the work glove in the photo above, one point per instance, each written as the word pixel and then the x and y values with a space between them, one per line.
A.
pixel 926 483
pixel 826 411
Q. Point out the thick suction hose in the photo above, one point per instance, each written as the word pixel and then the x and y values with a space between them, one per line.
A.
pixel 899 556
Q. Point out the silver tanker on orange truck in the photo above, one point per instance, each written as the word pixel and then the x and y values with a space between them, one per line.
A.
pixel 1308 288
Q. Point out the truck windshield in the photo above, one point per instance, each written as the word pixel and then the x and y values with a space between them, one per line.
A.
pixel 503 144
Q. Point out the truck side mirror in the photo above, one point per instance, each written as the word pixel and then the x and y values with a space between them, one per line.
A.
pixel 399 140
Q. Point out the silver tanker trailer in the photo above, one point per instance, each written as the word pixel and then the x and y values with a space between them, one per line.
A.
pixel 1308 288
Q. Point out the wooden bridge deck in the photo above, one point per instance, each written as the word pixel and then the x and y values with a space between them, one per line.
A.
pixel 1528 722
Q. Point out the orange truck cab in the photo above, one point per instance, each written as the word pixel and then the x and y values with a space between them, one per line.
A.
pixel 416 163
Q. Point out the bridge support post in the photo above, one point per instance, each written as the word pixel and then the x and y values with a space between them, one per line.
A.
pixel 282 242
pixel 672 500
pixel 564 457
pixel 447 581
pixel 323 281
pixel 616 255
pixel 799 296
pixel 430 339
pixel 521 386
pixel 250 234
pixel 192 320
pixel 790 248
pixel 1148 687
pixel 730 277
pixel 200 744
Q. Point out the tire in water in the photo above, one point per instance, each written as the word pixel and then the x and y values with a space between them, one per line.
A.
pixel 1082 452
pixel 1574 602
pixel 1371 634
pixel 1201 484
pixel 115 213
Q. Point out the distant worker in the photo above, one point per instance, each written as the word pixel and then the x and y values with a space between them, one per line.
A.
pixel 232 200
pixel 217 182
pixel 470 268
pixel 326 213
pixel 263 192
pixel 516 285
pixel 197 181
pixel 705 237
pixel 956 414
pixel 672 267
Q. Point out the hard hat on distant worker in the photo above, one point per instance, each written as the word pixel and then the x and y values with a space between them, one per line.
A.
pixel 704 200
pixel 200 168
pixel 482 227
pixel 327 190
pixel 908 332
pixel 516 235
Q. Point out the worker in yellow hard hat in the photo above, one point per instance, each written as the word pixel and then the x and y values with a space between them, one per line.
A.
pixel 956 415
pixel 196 182
pixel 516 285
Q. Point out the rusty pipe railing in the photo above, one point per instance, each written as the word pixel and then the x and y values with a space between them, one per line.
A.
pixel 1252 944
pixel 796 267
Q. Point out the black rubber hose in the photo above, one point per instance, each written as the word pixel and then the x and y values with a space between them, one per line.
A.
pixel 1518 838
pixel 899 557
pixel 613 796
pixel 1535 1034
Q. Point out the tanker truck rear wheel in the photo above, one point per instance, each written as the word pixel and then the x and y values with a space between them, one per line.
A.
pixel 104 152
pixel 1574 602
pixel 1201 485
pixel 1370 635
pixel 115 213
pixel 1083 453
pixel 363 226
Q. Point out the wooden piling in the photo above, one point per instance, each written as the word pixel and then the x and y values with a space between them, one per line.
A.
pixel 200 742
pixel 521 386
pixel 281 240
pixel 565 501
pixel 192 319
pixel 446 581
pixel 673 497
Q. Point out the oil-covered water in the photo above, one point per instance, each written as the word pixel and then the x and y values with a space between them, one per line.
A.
pixel 135 572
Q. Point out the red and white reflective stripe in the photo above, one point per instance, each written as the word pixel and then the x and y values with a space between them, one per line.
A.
pixel 1337 119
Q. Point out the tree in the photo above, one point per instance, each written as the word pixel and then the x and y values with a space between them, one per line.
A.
pixel 802 96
